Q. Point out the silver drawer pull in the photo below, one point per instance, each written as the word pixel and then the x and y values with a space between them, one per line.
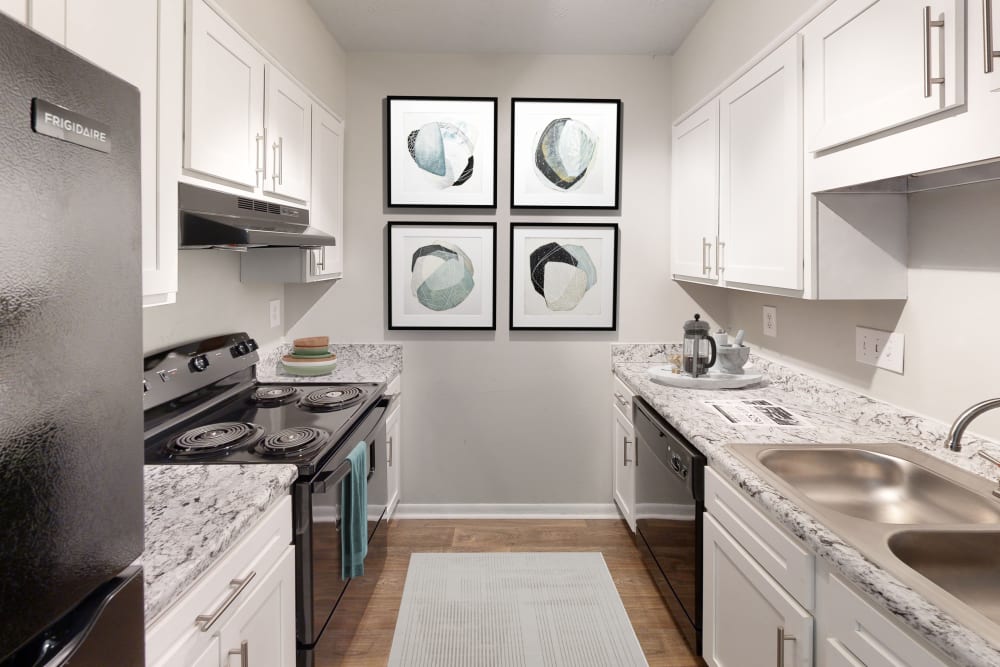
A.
pixel 782 638
pixel 390 451
pixel 625 459
pixel 238 586
pixel 621 399
pixel 243 651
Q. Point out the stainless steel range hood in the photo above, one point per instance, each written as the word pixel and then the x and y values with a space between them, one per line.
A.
pixel 210 219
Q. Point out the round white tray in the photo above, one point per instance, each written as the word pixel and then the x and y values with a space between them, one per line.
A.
pixel 714 379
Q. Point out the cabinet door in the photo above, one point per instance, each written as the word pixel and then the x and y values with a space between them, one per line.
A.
pixel 121 37
pixel 623 460
pixel 326 198
pixel 192 652
pixel 15 9
pixel 49 18
pixel 262 630
pixel 224 100
pixel 694 218
pixel 287 119
pixel 760 183
pixel 393 432
pixel 746 612
pixel 877 64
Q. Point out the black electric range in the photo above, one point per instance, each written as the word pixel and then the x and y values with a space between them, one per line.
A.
pixel 204 405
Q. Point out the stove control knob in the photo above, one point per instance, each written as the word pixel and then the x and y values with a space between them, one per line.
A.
pixel 239 349
pixel 198 364
pixel 252 345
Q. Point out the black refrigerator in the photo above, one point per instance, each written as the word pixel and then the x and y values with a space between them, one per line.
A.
pixel 71 505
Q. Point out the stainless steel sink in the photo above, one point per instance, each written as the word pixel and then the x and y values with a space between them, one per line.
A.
pixel 878 487
pixel 964 563
pixel 934 526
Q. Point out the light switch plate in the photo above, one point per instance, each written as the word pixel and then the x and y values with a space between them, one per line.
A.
pixel 771 321
pixel 883 349
pixel 274 310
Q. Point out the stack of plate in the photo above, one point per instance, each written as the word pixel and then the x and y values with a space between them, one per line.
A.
pixel 310 356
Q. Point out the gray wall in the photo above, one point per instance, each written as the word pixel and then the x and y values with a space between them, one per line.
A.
pixel 210 298
pixel 950 318
pixel 505 417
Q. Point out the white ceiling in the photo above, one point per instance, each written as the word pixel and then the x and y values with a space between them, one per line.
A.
pixel 511 26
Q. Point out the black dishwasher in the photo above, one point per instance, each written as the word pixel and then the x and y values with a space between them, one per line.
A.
pixel 669 503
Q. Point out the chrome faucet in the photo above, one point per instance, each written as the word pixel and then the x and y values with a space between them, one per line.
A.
pixel 954 441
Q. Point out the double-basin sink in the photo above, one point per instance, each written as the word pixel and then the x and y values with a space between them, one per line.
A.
pixel 933 525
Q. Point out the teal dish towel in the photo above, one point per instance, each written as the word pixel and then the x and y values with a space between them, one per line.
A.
pixel 354 515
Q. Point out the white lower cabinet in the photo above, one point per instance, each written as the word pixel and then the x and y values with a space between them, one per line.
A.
pixel 749 619
pixel 241 611
pixel 623 452
pixel 763 591
pixel 393 444
pixel 852 633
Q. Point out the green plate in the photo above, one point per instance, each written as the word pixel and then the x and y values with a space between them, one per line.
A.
pixel 310 351
pixel 311 370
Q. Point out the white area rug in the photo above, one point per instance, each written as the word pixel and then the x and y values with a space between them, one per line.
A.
pixel 512 610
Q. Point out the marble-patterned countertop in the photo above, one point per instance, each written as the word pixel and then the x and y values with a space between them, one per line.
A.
pixel 193 514
pixel 836 415
pixel 356 362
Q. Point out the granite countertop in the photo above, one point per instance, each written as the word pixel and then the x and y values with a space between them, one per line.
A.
pixel 836 415
pixel 356 362
pixel 193 514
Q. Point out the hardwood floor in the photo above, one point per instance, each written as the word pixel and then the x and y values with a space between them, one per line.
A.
pixel 372 639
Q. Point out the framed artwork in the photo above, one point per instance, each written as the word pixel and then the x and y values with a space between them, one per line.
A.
pixel 564 153
pixel 442 275
pixel 441 151
pixel 564 276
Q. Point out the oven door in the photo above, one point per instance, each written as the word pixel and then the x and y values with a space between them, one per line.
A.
pixel 319 586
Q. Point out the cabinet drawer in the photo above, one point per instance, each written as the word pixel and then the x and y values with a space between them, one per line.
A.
pixel 852 632
pixel 256 552
pixel 780 556
pixel 623 398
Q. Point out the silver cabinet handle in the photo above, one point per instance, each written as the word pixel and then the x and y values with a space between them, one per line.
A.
pixel 390 451
pixel 929 80
pixel 706 251
pixel 720 255
pixel 238 585
pixel 274 165
pixel 625 459
pixel 243 651
pixel 259 171
pixel 990 53
pixel 281 161
pixel 782 638
pixel 322 264
pixel 621 399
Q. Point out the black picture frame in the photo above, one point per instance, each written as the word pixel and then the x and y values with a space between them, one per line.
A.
pixel 521 165
pixel 424 321
pixel 519 320
pixel 485 198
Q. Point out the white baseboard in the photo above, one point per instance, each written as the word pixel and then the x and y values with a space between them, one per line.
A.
pixel 507 511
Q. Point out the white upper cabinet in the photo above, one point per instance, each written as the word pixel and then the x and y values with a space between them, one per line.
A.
pixel 695 194
pixel 327 191
pixel 287 119
pixel 760 182
pixel 224 115
pixel 879 64
pixel 122 37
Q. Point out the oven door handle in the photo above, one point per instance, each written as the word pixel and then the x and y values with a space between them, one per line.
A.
pixel 332 478
pixel 371 459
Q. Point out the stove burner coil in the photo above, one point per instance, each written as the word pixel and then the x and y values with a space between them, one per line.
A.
pixel 293 441
pixel 332 398
pixel 273 396
pixel 215 438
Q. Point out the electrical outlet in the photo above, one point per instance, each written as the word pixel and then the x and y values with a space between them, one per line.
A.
pixel 770 321
pixel 274 310
pixel 883 349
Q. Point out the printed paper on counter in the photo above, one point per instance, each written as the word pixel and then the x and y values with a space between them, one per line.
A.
pixel 756 412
